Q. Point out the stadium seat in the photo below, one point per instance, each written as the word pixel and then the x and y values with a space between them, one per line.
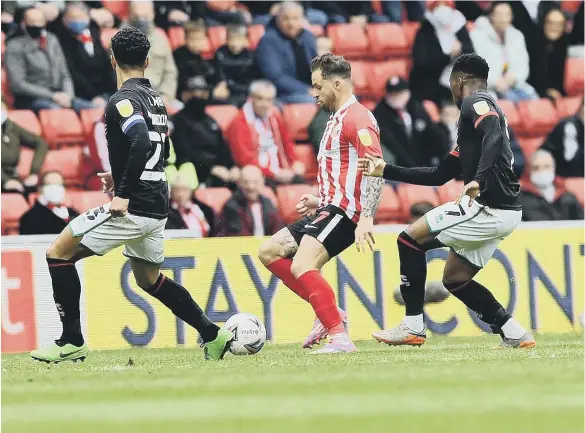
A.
pixel 571 6
pixel 411 194
pixel 13 206
pixel 61 127
pixel 69 162
pixel 529 145
pixel 573 184
pixel 297 117
pixel 379 73
pixel 288 197
pixel 359 77
pixel 106 36
pixel 176 37
pixel 81 201
pixel 387 40
pixel 215 198
pixel 26 119
pixel 574 76
pixel 88 119
pixel 410 29
pixel 306 155
pixel 316 30
pixel 222 114
pixel 349 40
pixel 432 110
pixel 538 117
pixel 255 33
pixel 509 109
pixel 389 209
pixel 217 36
pixel 119 8
pixel 568 106
pixel 449 191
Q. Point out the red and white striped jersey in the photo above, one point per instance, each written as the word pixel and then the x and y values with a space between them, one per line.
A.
pixel 350 133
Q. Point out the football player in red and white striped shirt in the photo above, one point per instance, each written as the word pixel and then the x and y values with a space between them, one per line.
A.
pixel 341 215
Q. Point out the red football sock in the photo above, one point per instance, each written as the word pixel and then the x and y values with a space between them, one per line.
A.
pixel 322 300
pixel 281 268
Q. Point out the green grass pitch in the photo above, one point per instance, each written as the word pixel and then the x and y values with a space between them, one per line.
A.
pixel 454 385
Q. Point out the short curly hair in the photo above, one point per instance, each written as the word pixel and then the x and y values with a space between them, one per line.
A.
pixel 130 47
pixel 331 65
pixel 473 65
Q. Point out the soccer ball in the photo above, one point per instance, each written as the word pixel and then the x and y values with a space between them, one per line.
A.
pixel 249 334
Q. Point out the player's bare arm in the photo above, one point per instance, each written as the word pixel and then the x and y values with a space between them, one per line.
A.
pixel 364 232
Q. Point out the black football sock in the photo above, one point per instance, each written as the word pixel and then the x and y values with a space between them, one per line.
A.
pixel 176 298
pixel 479 299
pixel 413 274
pixel 66 293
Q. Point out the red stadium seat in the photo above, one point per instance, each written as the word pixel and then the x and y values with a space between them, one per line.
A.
pixel 118 8
pixel 217 36
pixel 538 116
pixel 306 155
pixel 387 40
pixel 88 119
pixel 449 191
pixel 380 72
pixel 509 109
pixel 297 117
pixel 222 114
pixel 13 206
pixel 288 197
pixel 176 37
pixel 255 33
pixel 349 39
pixel 81 201
pixel 432 110
pixel 61 127
pixel 69 162
pixel 359 77
pixel 410 29
pixel 316 30
pixel 573 184
pixel 529 145
pixel 106 36
pixel 574 76
pixel 411 194
pixel 215 198
pixel 26 119
pixel 389 209
pixel 568 106
pixel 571 6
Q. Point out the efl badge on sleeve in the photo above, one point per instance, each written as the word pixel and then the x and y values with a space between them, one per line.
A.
pixel 365 137
pixel 125 108
pixel 481 108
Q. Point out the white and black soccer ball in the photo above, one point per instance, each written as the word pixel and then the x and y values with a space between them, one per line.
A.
pixel 249 334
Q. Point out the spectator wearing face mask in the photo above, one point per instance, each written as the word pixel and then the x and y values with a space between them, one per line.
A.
pixel 37 68
pixel 504 48
pixel 565 143
pixel 442 38
pixel 406 132
pixel 14 137
pixel 161 71
pixel 248 212
pixel 49 215
pixel 87 60
pixel 187 213
pixel 198 139
pixel 545 198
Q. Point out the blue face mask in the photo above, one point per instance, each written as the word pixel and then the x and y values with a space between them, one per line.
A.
pixel 77 27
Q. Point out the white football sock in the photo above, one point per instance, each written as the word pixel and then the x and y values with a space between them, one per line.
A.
pixel 513 329
pixel 415 323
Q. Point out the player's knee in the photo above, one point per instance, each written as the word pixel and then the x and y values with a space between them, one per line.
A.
pixel 268 252
pixel 298 268
pixel 54 252
pixel 454 283
pixel 145 282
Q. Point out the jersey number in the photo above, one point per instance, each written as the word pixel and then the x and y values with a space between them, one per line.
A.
pixel 157 139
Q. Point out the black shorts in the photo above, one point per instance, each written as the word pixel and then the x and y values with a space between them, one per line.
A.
pixel 330 226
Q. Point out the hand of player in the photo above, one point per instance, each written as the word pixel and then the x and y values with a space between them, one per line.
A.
pixel 307 205
pixel 371 166
pixel 107 181
pixel 471 189
pixel 119 207
pixel 364 234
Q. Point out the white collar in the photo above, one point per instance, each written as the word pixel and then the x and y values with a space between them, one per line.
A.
pixel 350 101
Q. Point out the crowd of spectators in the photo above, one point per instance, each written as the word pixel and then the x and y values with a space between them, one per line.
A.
pixel 56 57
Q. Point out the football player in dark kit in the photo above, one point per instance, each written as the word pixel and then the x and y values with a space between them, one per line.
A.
pixel 137 134
pixel 473 225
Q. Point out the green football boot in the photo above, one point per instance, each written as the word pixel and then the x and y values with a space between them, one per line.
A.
pixel 59 351
pixel 216 349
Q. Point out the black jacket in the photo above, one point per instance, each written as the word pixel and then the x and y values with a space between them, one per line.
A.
pixel 429 62
pixel 175 221
pixel 195 10
pixel 40 220
pixel 238 71
pixel 547 65
pixel 191 64
pixel 567 132
pixel 565 205
pixel 236 217
pixel 425 147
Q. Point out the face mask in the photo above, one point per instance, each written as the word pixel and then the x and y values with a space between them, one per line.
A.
pixel 78 27
pixel 141 24
pixel 398 103
pixel 54 193
pixel 443 15
pixel 542 179
pixel 4 117
pixel 196 105
pixel 35 32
